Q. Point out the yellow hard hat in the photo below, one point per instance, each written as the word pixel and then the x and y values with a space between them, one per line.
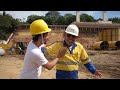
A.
pixel 38 27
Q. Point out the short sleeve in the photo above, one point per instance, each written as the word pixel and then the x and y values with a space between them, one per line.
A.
pixel 84 56
pixel 52 49
pixel 40 59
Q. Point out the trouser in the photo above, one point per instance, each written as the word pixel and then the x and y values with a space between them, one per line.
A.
pixel 60 74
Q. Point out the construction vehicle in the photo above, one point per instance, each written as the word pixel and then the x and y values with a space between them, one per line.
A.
pixel 4 47
pixel 2 51
pixel 21 47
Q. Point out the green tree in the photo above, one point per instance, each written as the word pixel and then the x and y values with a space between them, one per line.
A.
pixel 49 21
pixel 114 20
pixel 100 19
pixel 31 18
pixel 86 18
pixel 53 14
pixel 19 21
pixel 7 25
pixel 69 18
pixel 61 20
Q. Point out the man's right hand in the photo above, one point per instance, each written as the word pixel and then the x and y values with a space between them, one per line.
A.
pixel 51 64
pixel 62 53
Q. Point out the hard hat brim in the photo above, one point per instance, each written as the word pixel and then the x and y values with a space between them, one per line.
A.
pixel 48 30
pixel 45 31
pixel 71 33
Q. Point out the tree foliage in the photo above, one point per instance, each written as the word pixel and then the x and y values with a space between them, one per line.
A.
pixel 7 25
pixel 114 20
pixel 31 18
pixel 53 14
pixel 86 18
pixel 69 18
pixel 54 17
pixel 50 21
pixel 61 20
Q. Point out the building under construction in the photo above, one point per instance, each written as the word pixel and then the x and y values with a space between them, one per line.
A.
pixel 106 35
pixel 93 35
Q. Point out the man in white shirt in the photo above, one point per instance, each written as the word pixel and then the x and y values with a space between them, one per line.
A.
pixel 34 58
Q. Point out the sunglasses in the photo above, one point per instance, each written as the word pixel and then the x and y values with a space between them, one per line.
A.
pixel 69 35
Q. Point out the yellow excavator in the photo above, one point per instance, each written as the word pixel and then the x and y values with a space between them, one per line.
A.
pixel 21 47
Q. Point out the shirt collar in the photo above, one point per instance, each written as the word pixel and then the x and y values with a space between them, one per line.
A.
pixel 73 46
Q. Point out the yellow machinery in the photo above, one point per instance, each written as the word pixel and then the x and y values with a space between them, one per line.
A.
pixel 108 39
pixel 101 45
pixel 20 47
pixel 114 44
pixel 5 46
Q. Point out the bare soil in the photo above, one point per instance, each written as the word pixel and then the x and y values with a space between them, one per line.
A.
pixel 108 62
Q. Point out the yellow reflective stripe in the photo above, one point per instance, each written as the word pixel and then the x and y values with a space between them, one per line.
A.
pixel 66 67
pixel 68 63
pixel 83 60
pixel 87 61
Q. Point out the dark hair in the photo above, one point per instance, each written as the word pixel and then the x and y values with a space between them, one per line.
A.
pixel 35 37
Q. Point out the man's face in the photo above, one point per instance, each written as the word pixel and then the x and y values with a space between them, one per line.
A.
pixel 70 39
pixel 45 37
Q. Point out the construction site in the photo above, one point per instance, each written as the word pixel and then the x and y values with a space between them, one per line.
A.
pixel 100 39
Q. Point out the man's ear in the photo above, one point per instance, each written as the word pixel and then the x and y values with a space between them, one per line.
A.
pixel 77 37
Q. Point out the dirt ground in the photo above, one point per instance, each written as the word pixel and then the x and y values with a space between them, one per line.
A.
pixel 108 62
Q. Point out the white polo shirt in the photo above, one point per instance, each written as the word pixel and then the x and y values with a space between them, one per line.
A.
pixel 33 61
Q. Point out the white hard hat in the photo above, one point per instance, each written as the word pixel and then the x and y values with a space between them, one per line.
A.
pixel 72 29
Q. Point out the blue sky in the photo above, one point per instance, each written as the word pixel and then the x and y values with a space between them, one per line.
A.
pixel 96 14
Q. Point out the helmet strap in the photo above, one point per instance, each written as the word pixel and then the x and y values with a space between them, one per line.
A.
pixel 42 39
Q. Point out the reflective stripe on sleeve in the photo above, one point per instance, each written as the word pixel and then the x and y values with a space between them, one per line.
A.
pixel 83 60
pixel 68 63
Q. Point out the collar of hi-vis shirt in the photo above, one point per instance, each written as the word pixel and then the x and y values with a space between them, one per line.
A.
pixel 73 46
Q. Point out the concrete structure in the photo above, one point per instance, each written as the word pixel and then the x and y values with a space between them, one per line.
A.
pixel 104 15
pixel 77 16
pixel 104 18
